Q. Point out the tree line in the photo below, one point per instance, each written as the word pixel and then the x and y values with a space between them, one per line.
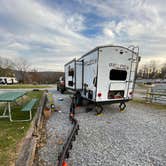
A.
pixel 24 73
pixel 22 70
pixel 152 70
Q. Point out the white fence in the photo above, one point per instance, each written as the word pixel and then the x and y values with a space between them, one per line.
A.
pixel 156 94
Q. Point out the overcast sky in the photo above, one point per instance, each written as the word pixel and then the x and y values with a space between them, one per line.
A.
pixel 49 33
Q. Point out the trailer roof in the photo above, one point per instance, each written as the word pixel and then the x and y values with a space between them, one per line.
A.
pixel 70 61
pixel 96 48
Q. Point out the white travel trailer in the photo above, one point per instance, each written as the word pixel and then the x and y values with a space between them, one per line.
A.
pixel 106 74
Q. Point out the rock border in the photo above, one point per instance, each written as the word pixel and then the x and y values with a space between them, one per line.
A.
pixel 27 152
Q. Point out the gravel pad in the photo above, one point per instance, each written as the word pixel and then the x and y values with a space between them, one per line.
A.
pixel 135 137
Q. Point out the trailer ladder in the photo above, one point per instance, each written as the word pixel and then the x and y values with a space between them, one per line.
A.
pixel 134 60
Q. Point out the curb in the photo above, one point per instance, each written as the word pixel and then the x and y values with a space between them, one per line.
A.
pixel 27 152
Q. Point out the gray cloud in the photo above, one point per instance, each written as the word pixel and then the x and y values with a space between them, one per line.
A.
pixel 49 37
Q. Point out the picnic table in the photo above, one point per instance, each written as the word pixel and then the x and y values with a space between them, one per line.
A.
pixel 8 98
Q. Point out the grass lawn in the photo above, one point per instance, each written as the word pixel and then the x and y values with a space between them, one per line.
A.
pixel 22 86
pixel 11 133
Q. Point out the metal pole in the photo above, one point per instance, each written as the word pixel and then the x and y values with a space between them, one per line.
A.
pixel 9 109
pixel 4 113
pixel 30 114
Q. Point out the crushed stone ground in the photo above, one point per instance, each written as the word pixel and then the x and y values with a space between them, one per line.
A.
pixel 136 137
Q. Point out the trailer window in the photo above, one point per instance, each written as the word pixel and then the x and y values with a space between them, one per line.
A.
pixel 71 72
pixel 118 75
pixel 70 83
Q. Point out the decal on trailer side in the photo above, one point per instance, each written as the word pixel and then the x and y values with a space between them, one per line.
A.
pixel 118 66
pixel 90 62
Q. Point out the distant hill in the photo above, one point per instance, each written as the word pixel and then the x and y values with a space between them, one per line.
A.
pixel 47 77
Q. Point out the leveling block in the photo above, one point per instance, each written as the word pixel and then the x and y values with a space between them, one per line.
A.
pixel 122 110
pixel 101 114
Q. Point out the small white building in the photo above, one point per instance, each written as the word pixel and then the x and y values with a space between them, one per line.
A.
pixel 8 80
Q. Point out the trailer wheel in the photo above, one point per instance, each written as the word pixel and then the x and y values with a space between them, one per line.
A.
pixel 85 102
pixel 57 88
pixel 62 91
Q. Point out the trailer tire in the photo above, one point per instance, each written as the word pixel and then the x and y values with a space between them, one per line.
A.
pixel 62 91
pixel 84 102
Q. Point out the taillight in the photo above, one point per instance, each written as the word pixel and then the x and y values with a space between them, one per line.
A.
pixel 99 94
pixel 62 83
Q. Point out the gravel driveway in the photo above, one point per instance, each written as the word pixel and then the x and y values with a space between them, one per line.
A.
pixel 57 130
pixel 134 137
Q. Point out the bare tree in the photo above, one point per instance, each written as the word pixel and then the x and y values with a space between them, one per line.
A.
pixel 22 67
pixel 145 71
pixel 6 67
pixel 35 76
pixel 163 71
pixel 152 69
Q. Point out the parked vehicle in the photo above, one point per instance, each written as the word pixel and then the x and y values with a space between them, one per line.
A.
pixel 105 74
pixel 3 80
pixel 61 85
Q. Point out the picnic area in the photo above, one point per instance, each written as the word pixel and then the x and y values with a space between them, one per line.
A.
pixel 17 109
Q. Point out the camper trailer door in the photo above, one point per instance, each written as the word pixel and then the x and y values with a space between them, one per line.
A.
pixel 90 75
